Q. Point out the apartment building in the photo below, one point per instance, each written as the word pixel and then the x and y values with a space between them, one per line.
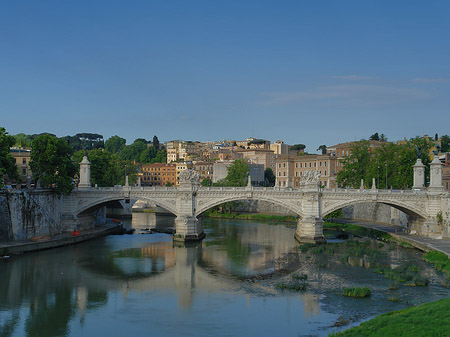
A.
pixel 22 158
pixel 290 169
pixel 158 174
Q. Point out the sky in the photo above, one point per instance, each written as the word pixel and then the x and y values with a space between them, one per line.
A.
pixel 310 72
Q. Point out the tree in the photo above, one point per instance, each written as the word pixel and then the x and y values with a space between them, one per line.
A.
pixel 7 162
pixel 269 177
pixel 51 163
pixel 322 148
pixel 155 142
pixel 22 140
pixel 85 141
pixel 383 138
pixel 375 136
pixel 445 143
pixel 115 144
pixel 107 169
pixel 237 174
pixel 134 151
pixel 297 147
pixel 206 182
pixel 391 164
pixel 436 137
pixel 355 165
pixel 169 184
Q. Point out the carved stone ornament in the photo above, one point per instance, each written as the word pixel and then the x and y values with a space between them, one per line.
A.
pixel 310 177
pixel 189 177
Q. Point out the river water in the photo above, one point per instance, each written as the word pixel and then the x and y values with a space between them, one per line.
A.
pixel 228 285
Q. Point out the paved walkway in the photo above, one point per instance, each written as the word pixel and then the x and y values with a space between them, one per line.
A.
pixel 421 242
pixel 22 246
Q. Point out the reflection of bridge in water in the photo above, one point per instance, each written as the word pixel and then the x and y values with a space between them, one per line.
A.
pixel 428 209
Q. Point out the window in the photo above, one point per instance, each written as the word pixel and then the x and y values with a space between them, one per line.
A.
pixel 325 172
pixel 284 174
pixel 320 164
pixel 24 160
pixel 284 165
pixel 325 164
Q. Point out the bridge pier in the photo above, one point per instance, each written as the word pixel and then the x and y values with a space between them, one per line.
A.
pixel 188 229
pixel 310 230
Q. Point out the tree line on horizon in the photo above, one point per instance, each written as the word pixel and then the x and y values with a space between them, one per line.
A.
pixel 54 161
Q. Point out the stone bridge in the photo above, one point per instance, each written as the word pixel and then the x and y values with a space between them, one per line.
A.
pixel 428 209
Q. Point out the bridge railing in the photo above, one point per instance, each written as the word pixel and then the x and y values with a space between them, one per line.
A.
pixel 253 188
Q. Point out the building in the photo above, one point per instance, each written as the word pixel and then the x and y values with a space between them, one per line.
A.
pixel 290 169
pixel 204 169
pixel 279 147
pixel 158 174
pixel 22 158
pixel 264 157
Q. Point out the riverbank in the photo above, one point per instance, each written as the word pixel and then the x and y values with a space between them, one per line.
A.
pixel 24 246
pixel 429 319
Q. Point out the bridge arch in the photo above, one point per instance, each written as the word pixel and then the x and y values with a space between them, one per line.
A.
pixel 206 206
pixel 406 208
pixel 102 201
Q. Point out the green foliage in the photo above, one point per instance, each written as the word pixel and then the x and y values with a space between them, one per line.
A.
pixel 51 163
pixel 151 155
pixel 429 319
pixel 115 144
pixel 107 169
pixel 297 286
pixel 206 182
pixel 445 143
pixel 237 174
pixel 322 148
pixel 155 142
pixel 439 260
pixel 359 292
pixel 7 162
pixel 297 147
pixel 269 177
pixel 134 151
pixel 391 164
pixel 375 136
pixel 85 141
pixel 335 214
pixel 169 184
pixel 22 140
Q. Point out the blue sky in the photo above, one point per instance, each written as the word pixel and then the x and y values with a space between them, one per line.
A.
pixel 311 72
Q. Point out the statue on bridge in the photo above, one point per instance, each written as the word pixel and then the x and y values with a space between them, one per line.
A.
pixel 310 178
pixel 189 177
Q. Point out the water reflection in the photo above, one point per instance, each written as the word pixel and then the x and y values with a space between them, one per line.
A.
pixel 125 285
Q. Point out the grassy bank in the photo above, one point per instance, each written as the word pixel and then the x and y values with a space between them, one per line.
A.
pixel 251 216
pixel 430 319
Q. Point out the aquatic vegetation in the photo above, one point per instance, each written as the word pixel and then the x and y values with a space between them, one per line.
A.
pixel 418 282
pixel 393 286
pixel 299 277
pixel 394 299
pixel 358 292
pixel 297 286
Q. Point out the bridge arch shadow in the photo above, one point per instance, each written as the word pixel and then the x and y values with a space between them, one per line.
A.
pixel 90 208
pixel 207 206
pixel 410 210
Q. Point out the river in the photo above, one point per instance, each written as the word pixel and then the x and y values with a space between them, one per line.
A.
pixel 227 285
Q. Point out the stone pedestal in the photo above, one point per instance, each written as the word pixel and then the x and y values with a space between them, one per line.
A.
pixel 188 228
pixel 419 175
pixel 436 175
pixel 85 174
pixel 310 230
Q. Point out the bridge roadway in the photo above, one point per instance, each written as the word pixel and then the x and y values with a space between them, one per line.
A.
pixel 428 210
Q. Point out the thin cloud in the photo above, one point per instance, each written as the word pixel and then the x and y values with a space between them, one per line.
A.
pixel 430 80
pixel 353 77
pixel 375 94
